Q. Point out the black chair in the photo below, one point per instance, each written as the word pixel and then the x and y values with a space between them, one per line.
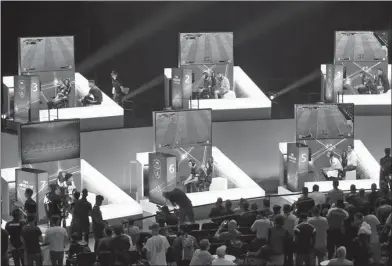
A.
pixel 135 257
pixel 245 230
pixel 86 259
pixel 209 226
pixel 248 238
pixel 213 232
pixel 193 227
pixel 105 258
pixel 215 246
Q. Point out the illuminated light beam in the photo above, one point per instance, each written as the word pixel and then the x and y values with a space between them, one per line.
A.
pixel 308 78
pixel 145 87
pixel 162 19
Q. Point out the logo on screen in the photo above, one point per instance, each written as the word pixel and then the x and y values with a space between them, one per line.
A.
pixel 292 158
pixel 157 168
pixel 21 89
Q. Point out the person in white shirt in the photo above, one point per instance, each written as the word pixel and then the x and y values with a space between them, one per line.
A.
pixel 322 226
pixel 375 245
pixel 351 159
pixel 261 228
pixel 57 237
pixel 156 247
pixel 221 253
pixel 335 166
pixel 318 197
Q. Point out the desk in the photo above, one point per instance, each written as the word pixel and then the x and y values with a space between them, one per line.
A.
pixel 227 257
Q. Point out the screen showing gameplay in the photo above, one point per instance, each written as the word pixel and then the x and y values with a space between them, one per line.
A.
pixel 182 128
pixel 361 46
pixel 49 141
pixel 40 54
pixel 365 77
pixel 325 121
pixel 206 48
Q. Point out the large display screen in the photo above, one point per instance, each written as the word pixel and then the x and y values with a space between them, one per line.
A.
pixel 366 77
pixel 49 141
pixel 361 46
pixel 175 128
pixel 324 121
pixel 41 54
pixel 206 48
pixel 214 81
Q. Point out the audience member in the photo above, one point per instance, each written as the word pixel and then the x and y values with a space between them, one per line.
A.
pixel 133 232
pixel 119 245
pixel 82 211
pixel 386 166
pixel 14 229
pixel 30 205
pixel 336 217
pixel 321 225
pixel 340 259
pixel 97 221
pixel 178 198
pixel 304 203
pixel 104 243
pixel 74 225
pixel 188 244
pixel 373 197
pixel 290 222
pixel 156 247
pixel 74 248
pixel 201 256
pixel 374 243
pixel 266 207
pixel 305 236
pixel 231 234
pixel 32 237
pixel 335 194
pixel 221 261
pixel 4 247
pixel 318 197
pixel 383 211
pixel 247 217
pixel 240 208
pixel 361 246
pixel 276 209
pixel 350 231
pixel 261 227
pixel 353 197
pixel 57 237
pixel 217 210
pixel 277 238
pixel 125 226
pixel 228 208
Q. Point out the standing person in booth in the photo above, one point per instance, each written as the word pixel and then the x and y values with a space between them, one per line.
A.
pixel 193 178
pixel 30 206
pixel 118 89
pixel 351 159
pixel 222 86
pixel 180 199
pixel 53 203
pixel 82 211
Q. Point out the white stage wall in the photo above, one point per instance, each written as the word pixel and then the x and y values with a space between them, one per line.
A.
pixel 251 145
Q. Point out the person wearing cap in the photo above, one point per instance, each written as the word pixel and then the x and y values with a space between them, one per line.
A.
pixel 221 253
pixel 202 256
pixel 156 247
pixel 232 233
pixel 340 259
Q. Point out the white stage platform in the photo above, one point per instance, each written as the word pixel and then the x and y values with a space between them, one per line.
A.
pixel 366 162
pixel 244 186
pixel 107 115
pixel 253 105
pixel 118 204
pixel 369 104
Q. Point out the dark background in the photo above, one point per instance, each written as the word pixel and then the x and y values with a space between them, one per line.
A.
pixel 276 43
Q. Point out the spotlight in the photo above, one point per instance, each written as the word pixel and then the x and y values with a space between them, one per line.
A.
pixel 272 97
pixel 3 116
pixel 183 157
